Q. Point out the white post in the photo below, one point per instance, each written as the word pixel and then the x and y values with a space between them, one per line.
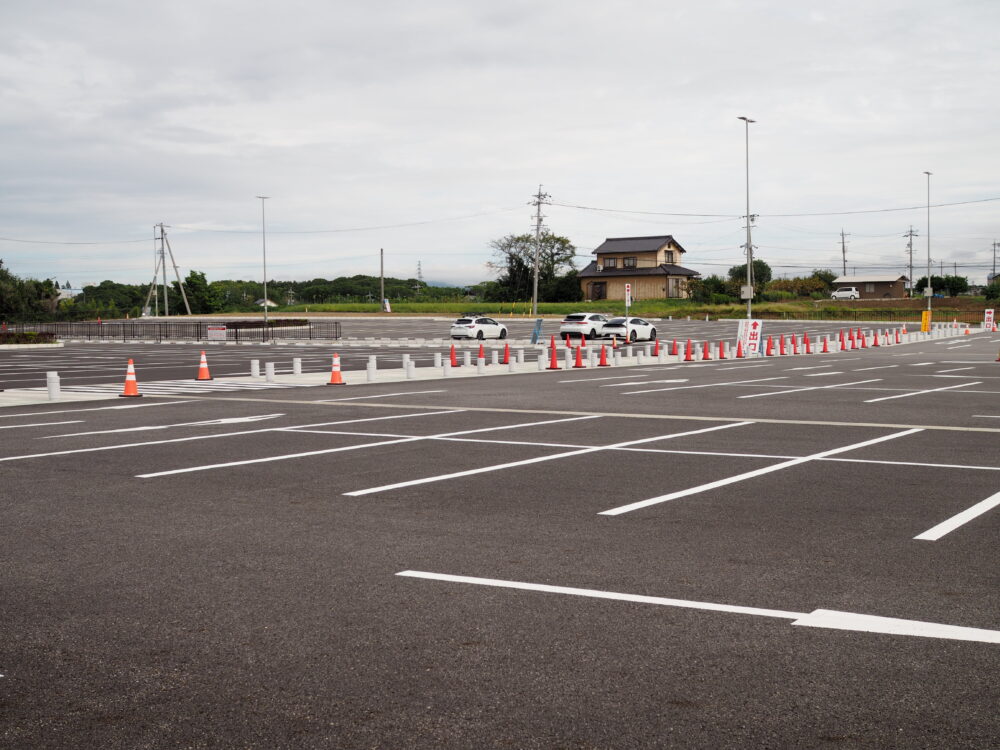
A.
pixel 437 359
pixel 296 366
pixel 52 381
pixel 269 372
pixel 255 368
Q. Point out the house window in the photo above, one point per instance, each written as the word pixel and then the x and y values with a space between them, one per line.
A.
pixel 630 262
pixel 870 288
pixel 610 262
pixel 669 255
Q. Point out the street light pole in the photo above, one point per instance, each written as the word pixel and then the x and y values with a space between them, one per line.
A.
pixel 263 245
pixel 929 291
pixel 749 292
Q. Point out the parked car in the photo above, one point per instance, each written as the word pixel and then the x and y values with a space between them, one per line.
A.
pixel 629 329
pixel 478 328
pixel 846 292
pixel 585 325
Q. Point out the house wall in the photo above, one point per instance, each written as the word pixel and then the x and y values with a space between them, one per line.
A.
pixel 881 289
pixel 643 287
pixel 646 259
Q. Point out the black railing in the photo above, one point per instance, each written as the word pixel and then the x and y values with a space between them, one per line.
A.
pixel 207 330
pixel 888 316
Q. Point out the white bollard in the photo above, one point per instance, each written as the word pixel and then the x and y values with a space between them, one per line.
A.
pixel 254 368
pixel 628 352
pixel 512 365
pixel 520 356
pixel 495 357
pixel 411 369
pixel 640 358
pixel 52 381
pixel 269 372
pixel 467 358
pixel 406 361
pixel 541 361
pixel 372 362
pixel 480 365
pixel 648 350
pixel 371 373
pixel 568 358
pixel 296 366
pixel 446 369
pixel 617 357
pixel 437 359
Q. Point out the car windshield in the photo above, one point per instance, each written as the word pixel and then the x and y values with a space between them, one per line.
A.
pixel 617 322
pixel 574 318
pixel 463 321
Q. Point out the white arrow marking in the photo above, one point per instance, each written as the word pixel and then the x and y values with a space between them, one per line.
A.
pixel 820 618
pixel 207 422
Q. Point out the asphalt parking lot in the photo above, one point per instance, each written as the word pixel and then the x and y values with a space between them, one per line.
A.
pixel 779 552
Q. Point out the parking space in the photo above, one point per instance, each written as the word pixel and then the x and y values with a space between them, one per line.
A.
pixel 489 561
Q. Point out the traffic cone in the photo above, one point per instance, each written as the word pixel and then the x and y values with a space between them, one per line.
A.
pixel 904 329
pixel 706 351
pixel 552 343
pixel 826 345
pixel 568 344
pixel 579 358
pixel 739 349
pixel 722 350
pixel 656 348
pixel 604 358
pixel 875 339
pixel 454 357
pixel 806 344
pixel 689 352
pixel 968 332
pixel 482 352
pixel 673 348
pixel 843 341
pixel 864 340
pixel 769 347
pixel 131 386
pixel 335 377
pixel 795 343
pixel 554 361
pixel 614 343
pixel 203 373
pixel 781 345
pixel 506 353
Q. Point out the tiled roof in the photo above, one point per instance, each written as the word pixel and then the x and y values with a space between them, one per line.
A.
pixel 664 269
pixel 855 280
pixel 637 244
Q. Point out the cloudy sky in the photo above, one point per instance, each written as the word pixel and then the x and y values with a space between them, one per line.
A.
pixel 424 128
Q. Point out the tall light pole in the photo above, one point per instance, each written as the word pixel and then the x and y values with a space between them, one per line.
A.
pixel 263 245
pixel 929 291
pixel 749 290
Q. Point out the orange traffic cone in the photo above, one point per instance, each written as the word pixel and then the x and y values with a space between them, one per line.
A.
pixel 604 358
pixel 706 351
pixel 673 348
pixel 739 349
pixel 568 344
pixel 722 350
pixel 769 347
pixel 506 353
pixel 806 343
pixel 203 373
pixel 614 342
pixel 335 376
pixel 968 332
pixel 826 345
pixel 781 345
pixel 131 386
pixel 579 358
pixel 795 344
pixel 904 328
pixel 454 357
pixel 689 352
pixel 554 361
pixel 875 339
pixel 482 352
pixel 656 348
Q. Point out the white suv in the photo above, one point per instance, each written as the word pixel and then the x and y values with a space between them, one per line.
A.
pixel 584 325
pixel 846 292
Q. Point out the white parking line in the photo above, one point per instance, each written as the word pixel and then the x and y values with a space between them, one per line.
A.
pixel 642 382
pixel 751 474
pixel 879 367
pixel 824 374
pixel 706 385
pixel 957 369
pixel 810 388
pixel 39 424
pixel 378 395
pixel 819 618
pixel 97 408
pixel 932 535
pixel 920 393
pixel 287 456
pixel 589 380
pixel 538 459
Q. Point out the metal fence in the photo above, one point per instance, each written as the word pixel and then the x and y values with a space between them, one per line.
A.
pixel 237 330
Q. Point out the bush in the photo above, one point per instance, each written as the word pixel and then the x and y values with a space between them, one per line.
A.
pixel 992 292
pixel 31 337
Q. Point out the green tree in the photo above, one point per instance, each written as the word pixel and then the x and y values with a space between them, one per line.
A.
pixel 761 274
pixel 826 276
pixel 202 297
pixel 992 292
pixel 514 262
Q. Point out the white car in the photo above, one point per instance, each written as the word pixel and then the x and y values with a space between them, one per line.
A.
pixel 477 327
pixel 845 292
pixel 629 329
pixel 585 325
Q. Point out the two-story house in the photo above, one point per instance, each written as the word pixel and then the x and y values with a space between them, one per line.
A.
pixel 649 264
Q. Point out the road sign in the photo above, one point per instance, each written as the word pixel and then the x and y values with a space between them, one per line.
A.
pixel 988 320
pixel 216 333
pixel 751 334
pixel 628 296
pixel 925 321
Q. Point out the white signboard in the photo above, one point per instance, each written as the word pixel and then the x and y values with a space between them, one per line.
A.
pixel 216 333
pixel 628 295
pixel 751 334
pixel 988 320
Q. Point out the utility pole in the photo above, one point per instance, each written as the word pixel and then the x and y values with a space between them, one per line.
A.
pixel 909 248
pixel 843 250
pixel 540 199
pixel 263 249
pixel 381 279
pixel 994 260
pixel 749 217
pixel 161 263
pixel 929 289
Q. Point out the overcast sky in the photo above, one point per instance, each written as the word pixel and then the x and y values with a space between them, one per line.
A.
pixel 425 127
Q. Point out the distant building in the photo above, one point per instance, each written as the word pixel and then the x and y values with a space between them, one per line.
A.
pixel 649 264
pixel 260 303
pixel 874 287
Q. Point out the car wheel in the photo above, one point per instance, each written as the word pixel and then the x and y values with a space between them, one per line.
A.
pixel 479 335
pixel 852 297
pixel 632 336
pixel 652 334
pixel 592 336
pixel 503 333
